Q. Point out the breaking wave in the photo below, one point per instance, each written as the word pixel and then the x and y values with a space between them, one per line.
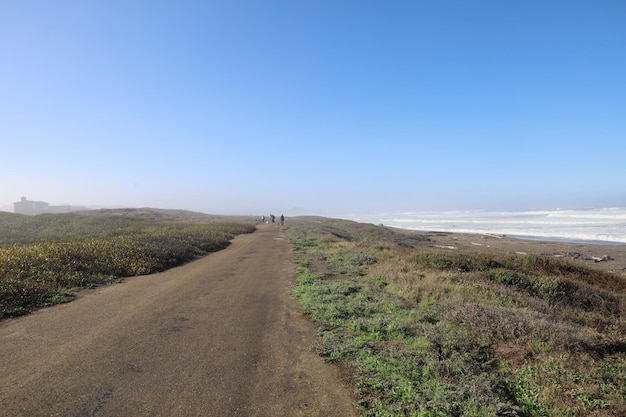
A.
pixel 606 225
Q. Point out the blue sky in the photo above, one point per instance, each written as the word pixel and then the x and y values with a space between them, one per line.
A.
pixel 333 106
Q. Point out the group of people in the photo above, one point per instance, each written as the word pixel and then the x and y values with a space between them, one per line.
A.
pixel 272 219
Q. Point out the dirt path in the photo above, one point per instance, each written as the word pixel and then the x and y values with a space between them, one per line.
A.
pixel 220 336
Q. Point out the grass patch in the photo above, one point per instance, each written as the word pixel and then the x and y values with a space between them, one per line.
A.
pixel 434 333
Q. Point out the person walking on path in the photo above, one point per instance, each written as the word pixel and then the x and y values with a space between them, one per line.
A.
pixel 282 220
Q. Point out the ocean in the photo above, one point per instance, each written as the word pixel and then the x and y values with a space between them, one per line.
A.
pixel 603 226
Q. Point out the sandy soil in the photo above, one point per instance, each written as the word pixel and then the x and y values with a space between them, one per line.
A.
pixel 220 336
pixel 606 257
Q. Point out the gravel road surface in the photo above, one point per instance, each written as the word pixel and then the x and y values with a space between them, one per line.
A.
pixel 220 336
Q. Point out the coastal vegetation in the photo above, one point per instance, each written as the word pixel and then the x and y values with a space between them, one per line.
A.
pixel 44 259
pixel 420 330
pixel 425 331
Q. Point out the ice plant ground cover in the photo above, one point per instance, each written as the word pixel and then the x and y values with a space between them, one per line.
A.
pixel 423 331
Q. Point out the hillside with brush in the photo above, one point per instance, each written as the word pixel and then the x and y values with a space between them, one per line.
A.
pixel 44 259
pixel 428 330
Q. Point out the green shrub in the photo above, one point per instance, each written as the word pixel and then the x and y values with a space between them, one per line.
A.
pixel 454 262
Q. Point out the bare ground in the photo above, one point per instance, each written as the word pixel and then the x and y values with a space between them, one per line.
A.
pixel 607 257
pixel 220 336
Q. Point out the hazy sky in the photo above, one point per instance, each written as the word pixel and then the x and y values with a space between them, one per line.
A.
pixel 342 106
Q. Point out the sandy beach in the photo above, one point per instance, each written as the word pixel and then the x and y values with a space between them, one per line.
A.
pixel 607 257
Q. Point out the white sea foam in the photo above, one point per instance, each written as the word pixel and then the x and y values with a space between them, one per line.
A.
pixel 595 225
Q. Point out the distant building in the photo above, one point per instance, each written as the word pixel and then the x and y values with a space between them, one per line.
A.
pixel 30 207
pixel 40 207
pixel 65 209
